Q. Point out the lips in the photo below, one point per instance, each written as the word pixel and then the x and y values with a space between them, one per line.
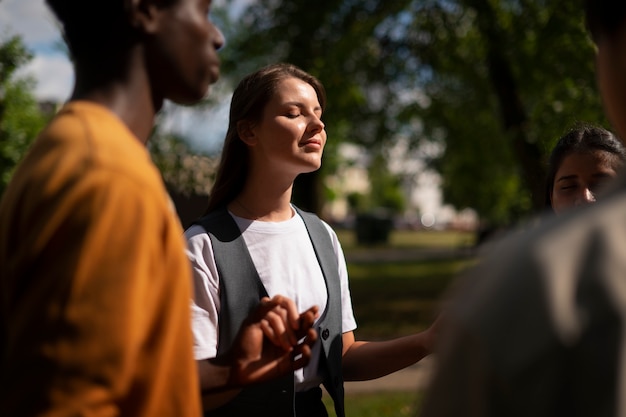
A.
pixel 312 142
pixel 214 72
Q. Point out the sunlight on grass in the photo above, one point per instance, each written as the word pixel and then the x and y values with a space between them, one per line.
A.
pixel 384 404
pixel 398 298
pixel 415 239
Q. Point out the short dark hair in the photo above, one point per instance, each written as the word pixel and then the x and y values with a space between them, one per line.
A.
pixel 604 17
pixel 97 29
pixel 92 27
pixel 582 138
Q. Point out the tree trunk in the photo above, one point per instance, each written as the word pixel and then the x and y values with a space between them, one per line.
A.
pixel 513 113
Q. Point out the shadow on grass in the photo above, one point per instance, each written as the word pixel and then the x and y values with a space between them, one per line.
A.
pixel 397 298
pixel 393 299
pixel 385 404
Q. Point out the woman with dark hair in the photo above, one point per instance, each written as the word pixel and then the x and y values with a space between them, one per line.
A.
pixel 580 164
pixel 537 327
pixel 253 242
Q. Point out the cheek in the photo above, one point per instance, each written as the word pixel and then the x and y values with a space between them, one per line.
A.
pixel 290 132
pixel 560 203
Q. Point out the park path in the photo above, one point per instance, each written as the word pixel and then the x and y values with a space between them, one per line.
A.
pixel 412 379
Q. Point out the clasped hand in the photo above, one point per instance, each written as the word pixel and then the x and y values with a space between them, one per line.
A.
pixel 274 340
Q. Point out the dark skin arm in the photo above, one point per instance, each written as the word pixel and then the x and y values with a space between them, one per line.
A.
pixel 273 341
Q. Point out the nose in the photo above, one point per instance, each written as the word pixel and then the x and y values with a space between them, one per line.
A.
pixel 218 38
pixel 586 197
pixel 316 124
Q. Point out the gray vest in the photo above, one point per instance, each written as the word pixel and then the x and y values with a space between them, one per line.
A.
pixel 240 292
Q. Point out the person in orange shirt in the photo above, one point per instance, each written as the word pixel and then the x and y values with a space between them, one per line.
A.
pixel 95 287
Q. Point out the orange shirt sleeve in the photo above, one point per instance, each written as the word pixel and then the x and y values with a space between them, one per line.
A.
pixel 98 316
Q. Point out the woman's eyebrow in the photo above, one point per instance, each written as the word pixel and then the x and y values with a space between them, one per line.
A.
pixel 602 174
pixel 301 105
pixel 567 177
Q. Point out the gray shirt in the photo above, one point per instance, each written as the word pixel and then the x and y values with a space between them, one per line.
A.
pixel 537 328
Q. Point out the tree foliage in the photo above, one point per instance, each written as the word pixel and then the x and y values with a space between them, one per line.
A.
pixel 335 41
pixel 20 117
pixel 504 80
pixel 494 82
pixel 183 169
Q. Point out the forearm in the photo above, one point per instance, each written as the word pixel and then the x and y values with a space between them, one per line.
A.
pixel 370 360
pixel 215 384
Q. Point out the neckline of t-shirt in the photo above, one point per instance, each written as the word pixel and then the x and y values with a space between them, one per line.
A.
pixel 268 227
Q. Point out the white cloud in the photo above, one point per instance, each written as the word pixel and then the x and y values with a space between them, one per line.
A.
pixel 203 127
pixel 29 18
pixel 54 75
pixel 33 21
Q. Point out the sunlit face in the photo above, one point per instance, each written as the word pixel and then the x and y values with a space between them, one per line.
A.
pixel 290 136
pixel 579 177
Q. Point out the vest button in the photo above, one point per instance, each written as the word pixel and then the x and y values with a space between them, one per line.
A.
pixel 325 334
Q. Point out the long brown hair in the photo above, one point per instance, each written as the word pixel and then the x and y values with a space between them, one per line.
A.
pixel 248 103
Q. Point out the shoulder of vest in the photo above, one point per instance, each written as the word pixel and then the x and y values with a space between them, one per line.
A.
pixel 307 215
pixel 220 224
pixel 211 217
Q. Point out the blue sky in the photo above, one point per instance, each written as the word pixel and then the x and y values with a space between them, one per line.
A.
pixel 54 75
pixel 50 67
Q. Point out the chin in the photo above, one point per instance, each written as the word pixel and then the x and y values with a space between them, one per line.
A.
pixel 312 168
pixel 191 97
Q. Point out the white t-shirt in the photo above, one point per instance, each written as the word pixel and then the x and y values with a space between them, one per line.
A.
pixel 285 260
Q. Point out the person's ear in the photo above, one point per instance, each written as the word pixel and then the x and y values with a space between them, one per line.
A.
pixel 143 15
pixel 246 133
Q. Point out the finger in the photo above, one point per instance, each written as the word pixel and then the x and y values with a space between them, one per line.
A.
pixel 265 305
pixel 314 311
pixel 268 332
pixel 303 355
pixel 311 337
pixel 307 319
pixel 282 335
pixel 290 308
pixel 273 328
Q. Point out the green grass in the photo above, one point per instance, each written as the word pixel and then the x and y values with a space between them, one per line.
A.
pixel 392 299
pixel 387 404
pixel 397 298
pixel 414 239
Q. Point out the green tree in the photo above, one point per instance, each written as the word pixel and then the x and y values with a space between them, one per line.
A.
pixel 504 79
pixel 183 169
pixel 20 117
pixel 335 40
pixel 493 82
pixel 385 187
